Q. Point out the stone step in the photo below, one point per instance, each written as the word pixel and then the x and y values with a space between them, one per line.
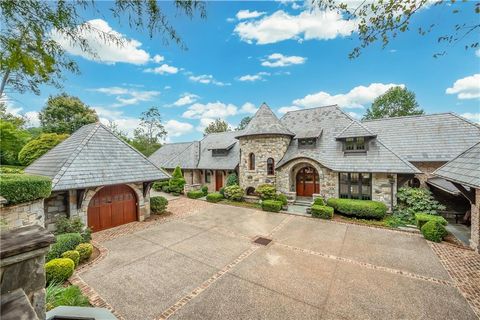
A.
pixel 303 203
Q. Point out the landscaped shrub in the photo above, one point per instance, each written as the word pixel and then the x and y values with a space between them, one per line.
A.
pixel 158 204
pixel 18 188
pixel 271 205
pixel 234 193
pixel 36 148
pixel 422 218
pixel 359 208
pixel 214 197
pixel 158 186
pixel 318 202
pixel 222 191
pixel 195 194
pixel 266 191
pixel 64 242
pixel 416 200
pixel 434 231
pixel 324 212
pixel 232 179
pixel 166 189
pixel 59 270
pixel 72 254
pixel 176 182
pixel 204 190
pixel 282 198
pixel 85 250
pixel 58 295
pixel 4 170
pixel 75 225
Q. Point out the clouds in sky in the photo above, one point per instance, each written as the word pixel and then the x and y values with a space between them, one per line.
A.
pixel 127 96
pixel 466 88
pixel 254 77
pixel 279 60
pixel 185 99
pixel 247 14
pixel 163 69
pixel 207 79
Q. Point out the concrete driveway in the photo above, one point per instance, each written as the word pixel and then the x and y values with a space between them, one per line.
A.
pixel 205 266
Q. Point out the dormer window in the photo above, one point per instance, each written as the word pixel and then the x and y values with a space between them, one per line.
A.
pixel 355 144
pixel 307 143
pixel 219 152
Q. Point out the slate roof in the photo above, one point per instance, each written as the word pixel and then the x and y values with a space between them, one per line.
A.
pixel 355 129
pixel 93 156
pixel 309 133
pixel 464 169
pixel 264 122
pixel 184 154
pixel 432 137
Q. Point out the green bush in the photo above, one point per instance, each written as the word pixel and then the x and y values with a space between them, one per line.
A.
pixel 176 182
pixel 422 218
pixel 282 198
pixel 319 202
pixel 366 209
pixel 195 194
pixel 204 190
pixel 58 270
pixel 74 225
pixel 158 186
pixel 222 191
pixel 434 231
pixel 234 193
pixel 58 295
pixel 158 204
pixel 72 254
pixel 324 212
pixel 9 170
pixel 166 189
pixel 266 191
pixel 36 148
pixel 416 200
pixel 85 250
pixel 271 205
pixel 214 197
pixel 232 179
pixel 18 188
pixel 64 242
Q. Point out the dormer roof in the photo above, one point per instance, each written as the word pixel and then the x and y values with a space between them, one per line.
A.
pixel 354 130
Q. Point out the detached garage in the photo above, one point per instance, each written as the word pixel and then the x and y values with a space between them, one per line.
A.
pixel 98 177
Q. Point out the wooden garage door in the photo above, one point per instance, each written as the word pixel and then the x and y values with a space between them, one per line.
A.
pixel 112 206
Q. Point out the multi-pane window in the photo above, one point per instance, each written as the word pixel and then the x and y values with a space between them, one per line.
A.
pixel 307 143
pixel 270 166
pixel 251 161
pixel 219 152
pixel 355 144
pixel 355 185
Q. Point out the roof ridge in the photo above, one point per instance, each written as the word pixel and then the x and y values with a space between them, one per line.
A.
pixel 409 116
pixel 291 111
pixel 182 153
pixel 465 119
pixel 457 156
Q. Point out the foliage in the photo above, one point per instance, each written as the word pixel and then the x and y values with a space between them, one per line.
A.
pixel 396 102
pixel 72 254
pixel 282 198
pixel 58 270
pixel 36 148
pixel 234 193
pixel 319 201
pixel 434 231
pixel 11 169
pixel 158 204
pixel 222 191
pixel 64 242
pixel 232 179
pixel 195 194
pixel 266 191
pixel 422 218
pixel 147 137
pixel 271 205
pixel 85 250
pixel 214 197
pixel 415 200
pixel 359 208
pixel 58 295
pixel 18 188
pixel 204 190
pixel 166 189
pixel 73 225
pixel 243 123
pixel 12 138
pixel 176 182
pixel 321 211
pixel 157 186
pixel 216 126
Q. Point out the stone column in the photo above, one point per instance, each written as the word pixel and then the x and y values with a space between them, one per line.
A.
pixel 475 226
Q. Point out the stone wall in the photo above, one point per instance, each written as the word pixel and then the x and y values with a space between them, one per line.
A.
pixel 23 214
pixel 382 188
pixel 56 206
pixel 263 147
pixel 427 168
pixel 475 226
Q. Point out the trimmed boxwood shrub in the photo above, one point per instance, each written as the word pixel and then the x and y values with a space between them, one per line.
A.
pixel 214 197
pixel 434 231
pixel 18 188
pixel 266 191
pixel 85 250
pixel 72 254
pixel 422 218
pixel 234 193
pixel 36 148
pixel 158 204
pixel 59 270
pixel 195 194
pixel 64 242
pixel 204 190
pixel 158 186
pixel 282 198
pixel 176 182
pixel 75 225
pixel 366 209
pixel 324 212
pixel 318 202
pixel 271 205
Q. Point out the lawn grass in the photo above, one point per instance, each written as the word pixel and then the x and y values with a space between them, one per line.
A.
pixel 390 221
pixel 242 204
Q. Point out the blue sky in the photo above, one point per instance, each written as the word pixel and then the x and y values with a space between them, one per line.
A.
pixel 246 53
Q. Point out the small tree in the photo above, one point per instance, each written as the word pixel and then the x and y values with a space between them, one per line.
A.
pixel 396 102
pixel 243 123
pixel 216 126
pixel 147 137
pixel 176 182
pixel 232 179
pixel 36 148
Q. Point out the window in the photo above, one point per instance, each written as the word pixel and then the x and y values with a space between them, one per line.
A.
pixel 355 144
pixel 355 185
pixel 219 152
pixel 208 176
pixel 251 161
pixel 307 143
pixel 270 166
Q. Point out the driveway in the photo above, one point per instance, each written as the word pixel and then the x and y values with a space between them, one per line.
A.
pixel 206 266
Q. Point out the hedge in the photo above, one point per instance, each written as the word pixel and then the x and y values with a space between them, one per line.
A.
pixel 59 270
pixel 324 212
pixel 282 198
pixel 158 186
pixel 72 254
pixel 318 202
pixel 365 209
pixel 65 242
pixel 271 205
pixel 434 231
pixel 234 193
pixel 18 188
pixel 214 197
pixel 158 204
pixel 195 194
pixel 422 218
pixel 85 250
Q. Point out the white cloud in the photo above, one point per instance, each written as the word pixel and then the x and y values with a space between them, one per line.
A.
pixel 477 53
pixel 32 118
pixel 466 88
pixel 167 88
pixel 231 20
pixel 210 110
pixel 127 96
pixel 279 60
pixel 354 115
pixel 247 14
pixel 176 128
pixel 158 58
pixel 308 25
pixel 475 117
pixel 248 108
pixel 254 77
pixel 128 51
pixel 125 124
pixel 207 79
pixel 283 110
pixel 186 98
pixel 164 68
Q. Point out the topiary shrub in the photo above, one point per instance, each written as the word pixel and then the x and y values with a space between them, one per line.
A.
pixel 204 190
pixel 234 193
pixel 85 250
pixel 323 212
pixel 266 191
pixel 318 202
pixel 36 148
pixel 271 205
pixel 72 254
pixel 59 270
pixel 434 231
pixel 282 198
pixel 232 179
pixel 365 209
pixel 214 197
pixel 64 242
pixel 195 194
pixel 158 186
pixel 422 218
pixel 176 182
pixel 158 204
pixel 18 188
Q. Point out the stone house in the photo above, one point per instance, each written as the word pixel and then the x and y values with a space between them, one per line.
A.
pixel 98 177
pixel 324 152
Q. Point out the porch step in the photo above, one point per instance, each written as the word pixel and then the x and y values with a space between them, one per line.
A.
pixel 302 203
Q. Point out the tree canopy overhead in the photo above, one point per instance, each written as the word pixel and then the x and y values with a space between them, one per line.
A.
pixel 243 123
pixel 396 102
pixel 216 126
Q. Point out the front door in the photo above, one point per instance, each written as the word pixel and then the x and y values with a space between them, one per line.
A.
pixel 218 180
pixel 307 182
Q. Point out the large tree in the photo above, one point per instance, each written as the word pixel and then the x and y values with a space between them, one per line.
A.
pixel 65 114
pixel 13 136
pixel 243 123
pixel 396 102
pixel 147 137
pixel 218 125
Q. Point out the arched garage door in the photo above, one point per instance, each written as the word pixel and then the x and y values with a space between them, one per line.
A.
pixel 112 206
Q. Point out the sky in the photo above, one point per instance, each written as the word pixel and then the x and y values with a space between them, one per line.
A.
pixel 246 53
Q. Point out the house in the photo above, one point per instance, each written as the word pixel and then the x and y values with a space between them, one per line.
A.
pixel 98 177
pixel 324 152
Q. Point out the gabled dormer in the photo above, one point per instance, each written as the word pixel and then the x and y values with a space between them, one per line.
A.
pixel 355 138
pixel 221 149
pixel 308 139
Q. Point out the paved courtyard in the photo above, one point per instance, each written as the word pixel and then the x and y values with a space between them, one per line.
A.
pixel 205 266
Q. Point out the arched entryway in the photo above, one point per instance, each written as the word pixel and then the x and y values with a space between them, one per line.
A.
pixel 307 182
pixel 112 206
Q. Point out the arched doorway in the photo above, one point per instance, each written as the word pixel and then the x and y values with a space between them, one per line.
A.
pixel 307 182
pixel 112 206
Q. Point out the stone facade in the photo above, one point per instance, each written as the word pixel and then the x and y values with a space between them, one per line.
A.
pixel 56 207
pixel 475 225
pixel 23 214
pixel 427 168
pixel 383 186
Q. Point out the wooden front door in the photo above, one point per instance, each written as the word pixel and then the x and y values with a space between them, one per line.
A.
pixel 307 182
pixel 112 206
pixel 218 180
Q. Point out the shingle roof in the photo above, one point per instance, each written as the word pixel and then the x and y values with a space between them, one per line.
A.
pixel 185 155
pixel 464 169
pixel 264 122
pixel 94 156
pixel 309 133
pixel 355 129
pixel 433 137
